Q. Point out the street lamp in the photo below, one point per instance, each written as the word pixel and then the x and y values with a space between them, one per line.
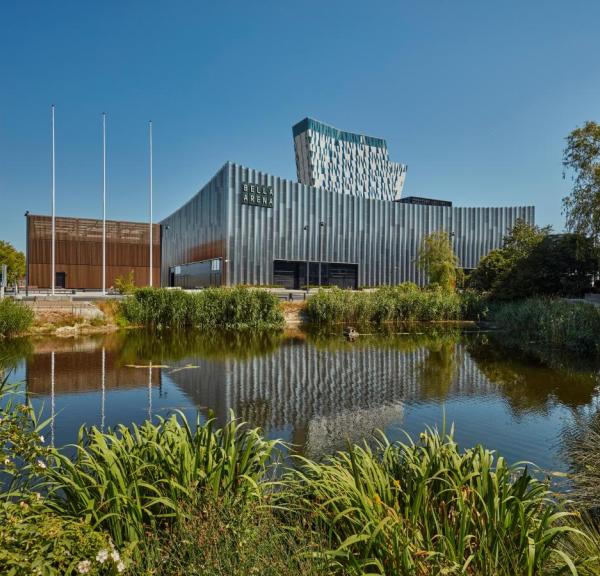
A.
pixel 321 226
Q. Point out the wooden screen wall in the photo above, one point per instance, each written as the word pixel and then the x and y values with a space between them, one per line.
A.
pixel 79 252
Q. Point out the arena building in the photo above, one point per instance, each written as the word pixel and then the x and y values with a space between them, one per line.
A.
pixel 250 227
pixel 343 223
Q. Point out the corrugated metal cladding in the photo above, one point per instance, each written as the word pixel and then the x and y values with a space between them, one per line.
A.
pixel 381 236
pixel 197 231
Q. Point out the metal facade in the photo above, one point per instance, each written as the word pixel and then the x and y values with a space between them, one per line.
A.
pixel 380 236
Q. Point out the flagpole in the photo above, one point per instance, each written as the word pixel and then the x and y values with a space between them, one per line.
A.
pixel 104 203
pixel 150 134
pixel 53 208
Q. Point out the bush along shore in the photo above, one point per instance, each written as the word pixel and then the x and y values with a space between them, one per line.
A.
pixel 172 497
pixel 548 325
pixel 15 318
pixel 403 303
pixel 238 307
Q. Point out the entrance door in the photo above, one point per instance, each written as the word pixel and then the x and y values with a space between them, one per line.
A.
pixel 61 280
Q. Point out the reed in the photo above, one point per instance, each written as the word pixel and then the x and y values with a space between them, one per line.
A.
pixel 429 508
pixel 403 303
pixel 547 323
pixel 238 307
pixel 14 317
pixel 131 480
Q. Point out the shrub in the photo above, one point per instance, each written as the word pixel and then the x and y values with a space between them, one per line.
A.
pixel 14 317
pixel 133 479
pixel 550 323
pixel 125 284
pixel 34 540
pixel 428 508
pixel 403 303
pixel 237 307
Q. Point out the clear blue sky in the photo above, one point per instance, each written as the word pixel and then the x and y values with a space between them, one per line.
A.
pixel 476 97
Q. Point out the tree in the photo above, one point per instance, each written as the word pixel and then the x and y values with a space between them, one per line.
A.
pixel 437 259
pixel 490 268
pixel 14 260
pixel 522 238
pixel 561 264
pixel 582 157
pixel 533 261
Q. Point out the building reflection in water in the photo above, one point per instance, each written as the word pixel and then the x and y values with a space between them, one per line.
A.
pixel 325 393
pixel 328 396
pixel 82 368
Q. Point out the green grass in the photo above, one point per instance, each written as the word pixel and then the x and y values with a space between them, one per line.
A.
pixel 550 324
pixel 14 317
pixel 403 303
pixel 220 538
pixel 429 508
pixel 237 307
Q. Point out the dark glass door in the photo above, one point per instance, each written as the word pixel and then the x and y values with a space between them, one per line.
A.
pixel 61 280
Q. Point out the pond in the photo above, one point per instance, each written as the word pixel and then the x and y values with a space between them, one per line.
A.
pixel 314 390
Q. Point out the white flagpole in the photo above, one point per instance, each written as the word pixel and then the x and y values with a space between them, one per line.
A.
pixel 150 127
pixel 104 203
pixel 53 208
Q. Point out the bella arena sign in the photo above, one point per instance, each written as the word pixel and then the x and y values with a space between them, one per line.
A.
pixel 257 195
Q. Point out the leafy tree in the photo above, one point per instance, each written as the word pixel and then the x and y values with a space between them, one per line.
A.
pixel 14 260
pixel 522 238
pixel 438 260
pixel 491 267
pixel 534 261
pixel 561 264
pixel 582 157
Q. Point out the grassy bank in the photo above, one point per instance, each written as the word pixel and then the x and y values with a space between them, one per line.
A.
pixel 15 318
pixel 177 498
pixel 237 307
pixel 403 303
pixel 550 324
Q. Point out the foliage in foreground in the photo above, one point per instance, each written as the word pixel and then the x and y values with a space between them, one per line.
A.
pixel 404 303
pixel 546 323
pixel 430 508
pixel 237 307
pixel 134 479
pixel 582 449
pixel 220 538
pixel 35 540
pixel 178 500
pixel 14 317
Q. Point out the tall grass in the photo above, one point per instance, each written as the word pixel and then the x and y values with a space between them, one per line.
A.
pixel 233 539
pixel 179 499
pixel 403 303
pixel 14 317
pixel 429 508
pixel 552 324
pixel 134 479
pixel 238 307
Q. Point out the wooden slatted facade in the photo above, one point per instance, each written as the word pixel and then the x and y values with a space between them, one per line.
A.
pixel 79 252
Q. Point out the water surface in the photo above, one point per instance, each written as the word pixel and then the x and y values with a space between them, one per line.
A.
pixel 314 390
